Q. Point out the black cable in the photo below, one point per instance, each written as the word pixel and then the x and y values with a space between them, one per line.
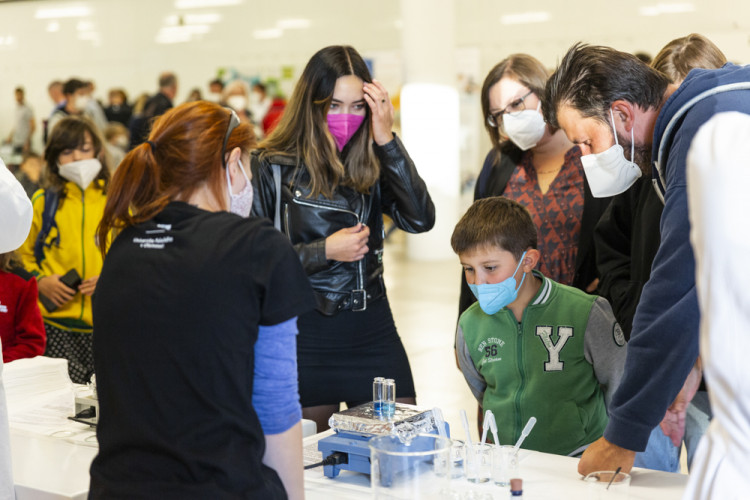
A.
pixel 336 458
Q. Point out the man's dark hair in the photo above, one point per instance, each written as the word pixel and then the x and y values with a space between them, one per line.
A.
pixel 167 80
pixel 216 81
pixel 71 86
pixel 591 77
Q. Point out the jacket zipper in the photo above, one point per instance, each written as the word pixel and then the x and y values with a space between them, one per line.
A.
pixel 519 354
pixel 83 249
pixel 360 264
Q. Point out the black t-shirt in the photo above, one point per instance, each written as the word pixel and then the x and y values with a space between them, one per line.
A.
pixel 177 309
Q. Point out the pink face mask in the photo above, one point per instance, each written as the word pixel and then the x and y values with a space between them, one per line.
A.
pixel 343 126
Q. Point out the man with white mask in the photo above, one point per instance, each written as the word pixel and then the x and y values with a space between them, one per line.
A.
pixel 591 82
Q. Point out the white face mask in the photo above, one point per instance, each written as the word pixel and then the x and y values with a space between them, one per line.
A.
pixel 608 172
pixel 213 97
pixel 526 128
pixel 81 102
pixel 242 202
pixel 81 172
pixel 237 102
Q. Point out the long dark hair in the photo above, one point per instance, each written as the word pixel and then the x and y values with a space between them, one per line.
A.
pixel 70 133
pixel 303 131
pixel 183 152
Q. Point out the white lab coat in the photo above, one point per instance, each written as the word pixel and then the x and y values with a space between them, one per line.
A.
pixel 718 176
pixel 15 211
pixel 15 222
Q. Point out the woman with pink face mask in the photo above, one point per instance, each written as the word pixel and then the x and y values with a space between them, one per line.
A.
pixel 326 175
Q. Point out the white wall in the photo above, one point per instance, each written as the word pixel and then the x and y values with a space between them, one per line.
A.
pixel 122 49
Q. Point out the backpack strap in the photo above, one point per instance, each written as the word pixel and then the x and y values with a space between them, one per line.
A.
pixel 277 186
pixel 51 201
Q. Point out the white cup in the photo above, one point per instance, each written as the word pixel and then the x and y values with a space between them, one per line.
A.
pixel 504 464
pixel 478 463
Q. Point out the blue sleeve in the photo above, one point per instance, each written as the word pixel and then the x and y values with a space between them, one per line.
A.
pixel 275 390
pixel 664 342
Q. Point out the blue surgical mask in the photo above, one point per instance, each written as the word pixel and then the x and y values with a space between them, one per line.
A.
pixel 494 296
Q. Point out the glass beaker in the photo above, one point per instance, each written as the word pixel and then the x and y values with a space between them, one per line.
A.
pixel 417 470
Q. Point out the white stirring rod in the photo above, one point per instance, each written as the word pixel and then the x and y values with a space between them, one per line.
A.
pixel 465 421
pixel 437 415
pixel 493 428
pixel 486 425
pixel 525 432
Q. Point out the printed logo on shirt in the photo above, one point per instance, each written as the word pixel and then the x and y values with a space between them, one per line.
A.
pixel 490 348
pixel 3 308
pixel 153 243
pixel 553 349
pixel 618 335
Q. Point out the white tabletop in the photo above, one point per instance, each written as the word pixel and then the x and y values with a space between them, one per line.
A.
pixel 545 476
pixel 58 468
pixel 51 467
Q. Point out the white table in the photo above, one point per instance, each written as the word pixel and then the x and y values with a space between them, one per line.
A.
pixel 545 476
pixel 47 468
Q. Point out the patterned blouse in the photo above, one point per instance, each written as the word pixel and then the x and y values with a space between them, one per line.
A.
pixel 556 214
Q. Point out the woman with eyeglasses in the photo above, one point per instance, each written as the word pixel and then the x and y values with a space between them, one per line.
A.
pixel 537 166
pixel 326 175
pixel 196 311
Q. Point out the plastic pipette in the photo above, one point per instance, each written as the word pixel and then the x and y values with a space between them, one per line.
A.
pixel 485 425
pixel 525 432
pixel 465 421
pixel 437 415
pixel 493 428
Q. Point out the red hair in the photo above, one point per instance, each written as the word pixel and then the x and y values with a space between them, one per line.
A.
pixel 183 152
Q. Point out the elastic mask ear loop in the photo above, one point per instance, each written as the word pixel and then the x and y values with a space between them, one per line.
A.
pixel 517 268
pixel 614 130
pixel 632 136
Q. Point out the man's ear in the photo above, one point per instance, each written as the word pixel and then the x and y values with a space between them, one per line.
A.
pixel 624 113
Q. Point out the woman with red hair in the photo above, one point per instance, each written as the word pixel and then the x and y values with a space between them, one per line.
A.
pixel 195 310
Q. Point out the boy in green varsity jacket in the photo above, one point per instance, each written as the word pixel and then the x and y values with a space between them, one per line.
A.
pixel 531 347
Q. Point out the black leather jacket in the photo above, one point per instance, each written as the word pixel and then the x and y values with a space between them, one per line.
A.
pixel 400 193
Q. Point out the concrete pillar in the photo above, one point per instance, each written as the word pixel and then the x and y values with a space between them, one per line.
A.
pixel 430 116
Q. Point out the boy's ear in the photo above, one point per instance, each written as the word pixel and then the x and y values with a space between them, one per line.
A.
pixel 530 260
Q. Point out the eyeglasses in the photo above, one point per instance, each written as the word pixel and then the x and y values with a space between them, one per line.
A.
pixel 515 107
pixel 234 122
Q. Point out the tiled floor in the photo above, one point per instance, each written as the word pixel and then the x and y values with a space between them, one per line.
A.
pixel 424 300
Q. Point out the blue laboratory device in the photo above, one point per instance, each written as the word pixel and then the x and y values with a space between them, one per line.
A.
pixel 355 427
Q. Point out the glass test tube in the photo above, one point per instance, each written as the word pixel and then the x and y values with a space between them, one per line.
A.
pixel 390 397
pixel 378 393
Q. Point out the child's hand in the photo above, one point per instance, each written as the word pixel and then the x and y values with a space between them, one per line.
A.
pixel 348 244
pixel 88 286
pixel 55 290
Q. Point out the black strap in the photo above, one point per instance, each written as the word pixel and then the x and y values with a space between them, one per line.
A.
pixel 51 201
pixel 496 172
pixel 277 186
